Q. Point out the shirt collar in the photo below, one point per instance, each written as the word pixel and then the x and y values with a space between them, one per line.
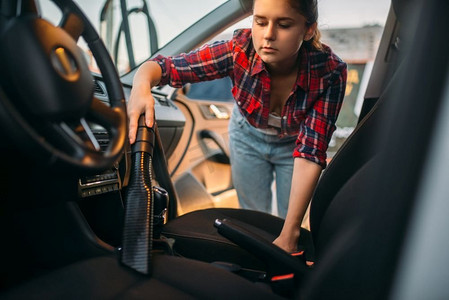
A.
pixel 258 65
pixel 303 73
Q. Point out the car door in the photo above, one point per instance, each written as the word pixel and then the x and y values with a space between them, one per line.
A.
pixel 200 165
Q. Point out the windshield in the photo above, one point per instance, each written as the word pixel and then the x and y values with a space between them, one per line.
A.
pixel 132 30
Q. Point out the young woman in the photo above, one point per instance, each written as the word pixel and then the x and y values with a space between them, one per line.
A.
pixel 288 89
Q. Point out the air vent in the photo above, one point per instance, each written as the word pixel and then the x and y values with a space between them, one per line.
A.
pixel 98 89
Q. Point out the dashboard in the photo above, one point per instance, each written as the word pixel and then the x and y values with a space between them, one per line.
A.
pixel 170 122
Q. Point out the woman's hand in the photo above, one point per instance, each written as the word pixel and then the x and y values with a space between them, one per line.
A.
pixel 141 101
pixel 288 241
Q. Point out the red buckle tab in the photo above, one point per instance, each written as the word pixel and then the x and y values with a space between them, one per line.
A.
pixel 283 277
pixel 299 253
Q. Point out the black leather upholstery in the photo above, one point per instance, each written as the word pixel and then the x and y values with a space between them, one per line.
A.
pixel 196 237
pixel 173 278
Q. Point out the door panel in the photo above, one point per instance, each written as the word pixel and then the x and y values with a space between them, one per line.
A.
pixel 200 165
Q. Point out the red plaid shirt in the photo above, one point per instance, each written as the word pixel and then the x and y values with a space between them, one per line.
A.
pixel 313 104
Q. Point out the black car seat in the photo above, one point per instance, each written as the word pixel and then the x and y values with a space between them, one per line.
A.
pixel 360 257
pixel 194 234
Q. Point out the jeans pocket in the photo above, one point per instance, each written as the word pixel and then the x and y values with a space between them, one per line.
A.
pixel 241 121
pixel 237 120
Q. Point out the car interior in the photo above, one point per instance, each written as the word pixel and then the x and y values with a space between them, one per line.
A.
pixel 83 214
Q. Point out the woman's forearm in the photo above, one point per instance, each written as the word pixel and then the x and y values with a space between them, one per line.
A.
pixel 141 100
pixel 148 74
pixel 304 179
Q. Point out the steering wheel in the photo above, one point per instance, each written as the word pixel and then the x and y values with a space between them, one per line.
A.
pixel 47 102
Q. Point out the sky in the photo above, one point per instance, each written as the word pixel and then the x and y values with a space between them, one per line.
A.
pixel 333 13
pixel 351 13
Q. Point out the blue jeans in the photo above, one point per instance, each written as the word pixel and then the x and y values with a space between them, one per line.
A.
pixel 257 159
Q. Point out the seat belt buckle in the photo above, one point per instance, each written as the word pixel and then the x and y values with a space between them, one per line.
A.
pixel 284 284
pixel 300 254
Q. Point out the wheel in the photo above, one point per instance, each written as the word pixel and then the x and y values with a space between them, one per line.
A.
pixel 47 97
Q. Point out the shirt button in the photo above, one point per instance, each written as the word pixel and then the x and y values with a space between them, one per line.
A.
pixel 284 117
pixel 239 103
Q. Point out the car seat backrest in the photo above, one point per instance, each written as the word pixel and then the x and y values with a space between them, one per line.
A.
pixel 357 150
pixel 351 157
pixel 361 233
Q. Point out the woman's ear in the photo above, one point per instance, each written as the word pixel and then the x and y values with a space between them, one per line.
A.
pixel 310 32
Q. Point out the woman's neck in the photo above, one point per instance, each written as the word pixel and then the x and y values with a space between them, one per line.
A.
pixel 283 69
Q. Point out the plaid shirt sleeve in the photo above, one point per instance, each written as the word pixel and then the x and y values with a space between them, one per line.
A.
pixel 206 63
pixel 319 124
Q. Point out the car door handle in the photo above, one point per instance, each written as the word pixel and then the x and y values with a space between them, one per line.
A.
pixel 219 112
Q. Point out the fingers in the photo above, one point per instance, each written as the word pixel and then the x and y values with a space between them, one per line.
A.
pixel 287 244
pixel 149 116
pixel 133 119
pixel 139 103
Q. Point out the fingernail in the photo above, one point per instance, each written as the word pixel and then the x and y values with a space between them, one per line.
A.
pixel 310 263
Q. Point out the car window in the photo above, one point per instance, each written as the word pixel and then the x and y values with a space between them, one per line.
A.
pixel 216 90
pixel 152 24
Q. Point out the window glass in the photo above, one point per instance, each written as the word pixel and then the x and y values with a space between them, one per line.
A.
pixel 216 90
pixel 152 24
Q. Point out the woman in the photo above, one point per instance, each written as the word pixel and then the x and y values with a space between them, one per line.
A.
pixel 288 89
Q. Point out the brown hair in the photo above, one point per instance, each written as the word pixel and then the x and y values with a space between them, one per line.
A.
pixel 309 9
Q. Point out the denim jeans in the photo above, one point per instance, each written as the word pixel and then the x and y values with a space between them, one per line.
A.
pixel 257 159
